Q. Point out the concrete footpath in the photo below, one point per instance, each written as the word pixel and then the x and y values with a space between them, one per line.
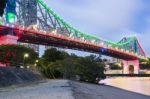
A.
pixel 64 89
pixel 52 89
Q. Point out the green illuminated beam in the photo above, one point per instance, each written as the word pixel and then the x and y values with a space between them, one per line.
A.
pixel 1 21
pixel 87 36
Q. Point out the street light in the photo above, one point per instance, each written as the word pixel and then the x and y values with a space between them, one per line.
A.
pixel 26 55
pixel 37 61
pixel 35 64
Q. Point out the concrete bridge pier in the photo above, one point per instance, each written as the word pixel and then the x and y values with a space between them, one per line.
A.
pixel 131 67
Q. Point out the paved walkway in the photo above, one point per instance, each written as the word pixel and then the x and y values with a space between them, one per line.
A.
pixel 53 89
pixel 64 89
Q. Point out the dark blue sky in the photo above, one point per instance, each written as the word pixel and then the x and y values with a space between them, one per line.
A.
pixel 108 19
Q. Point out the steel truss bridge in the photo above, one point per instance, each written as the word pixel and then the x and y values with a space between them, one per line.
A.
pixel 36 23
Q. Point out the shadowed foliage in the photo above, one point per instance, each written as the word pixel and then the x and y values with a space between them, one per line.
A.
pixel 59 64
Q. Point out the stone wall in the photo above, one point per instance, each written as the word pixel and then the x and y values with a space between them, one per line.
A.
pixel 120 72
pixel 11 76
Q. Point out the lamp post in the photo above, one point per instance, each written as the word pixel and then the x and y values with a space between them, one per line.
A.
pixel 26 55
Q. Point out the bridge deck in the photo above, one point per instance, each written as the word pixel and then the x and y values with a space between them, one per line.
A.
pixel 49 39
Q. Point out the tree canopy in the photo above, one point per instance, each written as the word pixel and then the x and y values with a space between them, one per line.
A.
pixel 59 64
pixel 145 63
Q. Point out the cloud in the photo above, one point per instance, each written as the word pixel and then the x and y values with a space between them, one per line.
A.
pixel 101 14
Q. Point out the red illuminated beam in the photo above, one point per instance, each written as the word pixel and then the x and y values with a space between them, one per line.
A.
pixel 37 37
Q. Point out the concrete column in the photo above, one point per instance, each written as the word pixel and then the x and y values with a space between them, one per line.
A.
pixel 128 63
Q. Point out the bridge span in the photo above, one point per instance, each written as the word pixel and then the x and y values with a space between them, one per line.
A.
pixel 32 21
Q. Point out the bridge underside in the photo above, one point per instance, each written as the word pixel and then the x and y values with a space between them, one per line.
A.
pixel 36 37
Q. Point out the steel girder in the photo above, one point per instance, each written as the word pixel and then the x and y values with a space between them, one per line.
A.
pixel 35 14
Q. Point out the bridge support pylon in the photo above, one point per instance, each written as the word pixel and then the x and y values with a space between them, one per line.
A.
pixel 131 67
pixel 7 39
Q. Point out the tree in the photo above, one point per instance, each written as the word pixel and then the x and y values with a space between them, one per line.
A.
pixel 59 64
pixel 115 66
pixel 68 67
pixel 52 55
pixel 50 64
pixel 145 63
pixel 13 55
pixel 89 69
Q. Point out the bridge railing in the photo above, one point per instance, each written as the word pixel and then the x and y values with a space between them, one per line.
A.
pixel 55 33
